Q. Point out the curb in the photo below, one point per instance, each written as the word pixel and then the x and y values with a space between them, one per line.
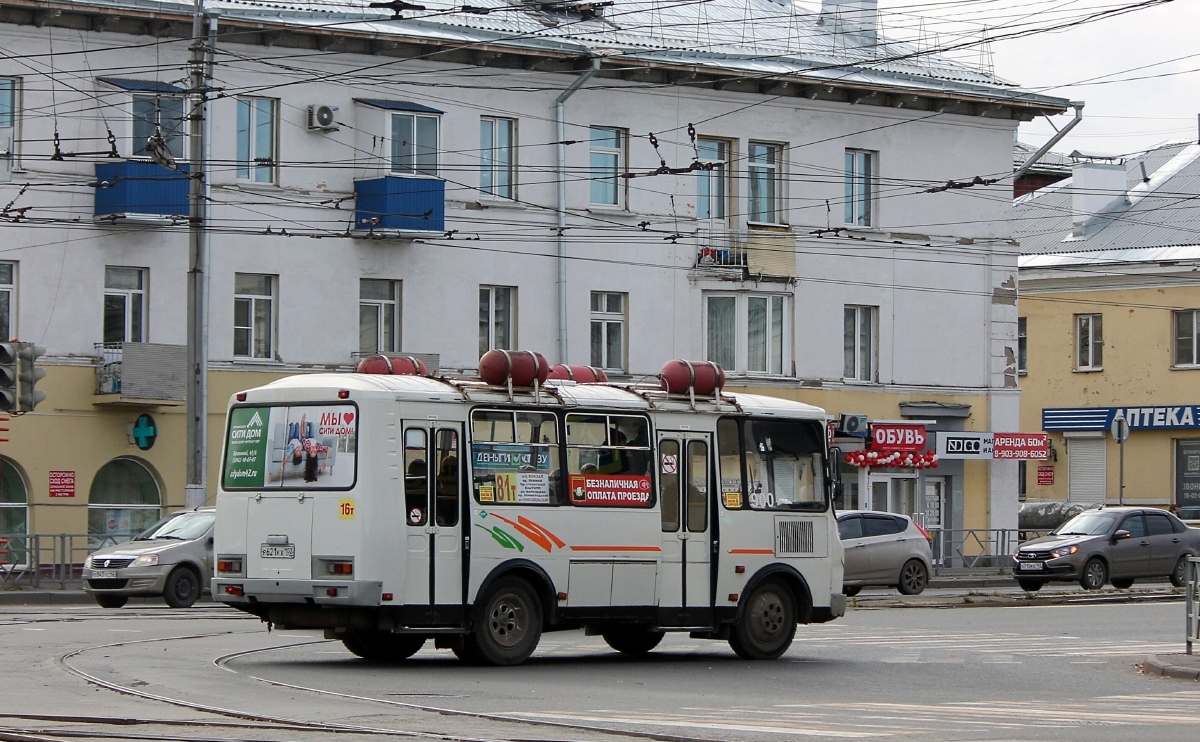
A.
pixel 45 597
pixel 1182 666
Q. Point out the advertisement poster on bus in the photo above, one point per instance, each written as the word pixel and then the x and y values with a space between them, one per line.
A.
pixel 501 457
pixel 522 487
pixel 310 446
pixel 616 490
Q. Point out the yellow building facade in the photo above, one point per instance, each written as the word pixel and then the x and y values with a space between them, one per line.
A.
pixel 1108 323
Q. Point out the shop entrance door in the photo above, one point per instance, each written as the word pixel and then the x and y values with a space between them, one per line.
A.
pixel 892 493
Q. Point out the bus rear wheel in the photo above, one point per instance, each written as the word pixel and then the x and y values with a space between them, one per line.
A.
pixel 767 623
pixel 632 639
pixel 507 625
pixel 381 646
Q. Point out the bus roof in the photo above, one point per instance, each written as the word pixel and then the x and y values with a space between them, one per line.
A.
pixel 318 387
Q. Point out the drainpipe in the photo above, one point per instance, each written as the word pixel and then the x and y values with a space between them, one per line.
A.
pixel 561 210
pixel 1078 106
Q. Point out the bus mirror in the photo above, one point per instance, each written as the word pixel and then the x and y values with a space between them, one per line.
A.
pixel 835 469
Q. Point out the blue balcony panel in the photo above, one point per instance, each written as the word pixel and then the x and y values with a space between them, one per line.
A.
pixel 399 205
pixel 136 189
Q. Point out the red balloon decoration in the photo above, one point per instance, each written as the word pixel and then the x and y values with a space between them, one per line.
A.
pixel 893 459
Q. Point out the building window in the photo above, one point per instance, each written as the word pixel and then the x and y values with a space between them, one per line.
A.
pixel 497 326
pixel 158 114
pixel 124 500
pixel 608 330
pixel 378 316
pixel 253 315
pixel 8 298
pixel 763 169
pixel 712 186
pixel 124 305
pixel 747 332
pixel 256 151
pixel 498 150
pixel 607 165
pixel 1022 346
pixel 14 511
pixel 1089 342
pixel 861 170
pixel 1187 335
pixel 414 144
pixel 8 128
pixel 858 342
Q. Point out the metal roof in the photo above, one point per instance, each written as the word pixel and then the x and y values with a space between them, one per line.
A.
pixel 752 37
pixel 1161 211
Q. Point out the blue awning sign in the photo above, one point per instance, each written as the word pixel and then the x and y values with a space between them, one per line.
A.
pixel 1167 417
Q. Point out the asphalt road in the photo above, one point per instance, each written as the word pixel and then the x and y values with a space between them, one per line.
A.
pixel 951 670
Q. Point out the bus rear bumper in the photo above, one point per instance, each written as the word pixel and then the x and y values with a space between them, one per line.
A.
pixel 240 590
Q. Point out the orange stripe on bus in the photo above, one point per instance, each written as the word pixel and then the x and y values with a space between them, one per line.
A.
pixel 615 548
pixel 751 551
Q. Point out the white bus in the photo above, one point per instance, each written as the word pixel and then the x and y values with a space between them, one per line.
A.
pixel 388 510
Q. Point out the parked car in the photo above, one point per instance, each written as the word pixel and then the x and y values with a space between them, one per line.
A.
pixel 884 550
pixel 1111 544
pixel 172 559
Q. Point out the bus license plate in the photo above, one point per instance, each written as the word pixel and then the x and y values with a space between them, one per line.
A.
pixel 104 574
pixel 1032 566
pixel 287 551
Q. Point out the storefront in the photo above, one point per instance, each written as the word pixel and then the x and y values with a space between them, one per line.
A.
pixel 1162 456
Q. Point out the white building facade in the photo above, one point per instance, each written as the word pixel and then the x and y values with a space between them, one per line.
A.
pixel 614 186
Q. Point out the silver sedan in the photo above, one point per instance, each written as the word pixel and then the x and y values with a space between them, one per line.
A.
pixel 885 550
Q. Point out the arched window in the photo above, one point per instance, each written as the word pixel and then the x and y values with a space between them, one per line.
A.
pixel 124 500
pixel 14 499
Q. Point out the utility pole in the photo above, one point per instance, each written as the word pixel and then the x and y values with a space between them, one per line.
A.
pixel 201 69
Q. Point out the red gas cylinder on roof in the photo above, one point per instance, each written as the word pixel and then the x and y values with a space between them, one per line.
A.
pixel 400 365
pixel 702 377
pixel 580 374
pixel 497 367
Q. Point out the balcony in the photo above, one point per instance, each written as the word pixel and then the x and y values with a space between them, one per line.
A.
pixel 717 246
pixel 137 191
pixel 399 206
pixel 140 374
pixel 766 252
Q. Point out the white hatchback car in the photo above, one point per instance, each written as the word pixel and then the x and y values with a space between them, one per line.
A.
pixel 884 550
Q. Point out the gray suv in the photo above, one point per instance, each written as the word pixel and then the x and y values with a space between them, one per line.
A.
pixel 1112 544
pixel 172 559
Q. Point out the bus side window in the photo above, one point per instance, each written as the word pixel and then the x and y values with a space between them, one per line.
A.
pixel 730 449
pixel 416 477
pixel 446 502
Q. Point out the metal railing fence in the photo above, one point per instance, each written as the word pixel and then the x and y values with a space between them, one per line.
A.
pixel 54 559
pixel 977 548
pixel 1193 603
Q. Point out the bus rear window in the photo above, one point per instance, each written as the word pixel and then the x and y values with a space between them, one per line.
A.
pixel 291 447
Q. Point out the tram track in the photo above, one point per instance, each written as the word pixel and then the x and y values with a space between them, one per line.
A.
pixel 266 722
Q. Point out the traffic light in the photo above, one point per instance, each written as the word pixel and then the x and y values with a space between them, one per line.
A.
pixel 8 376
pixel 29 373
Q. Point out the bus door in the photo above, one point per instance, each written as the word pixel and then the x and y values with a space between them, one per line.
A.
pixel 433 518
pixel 685 571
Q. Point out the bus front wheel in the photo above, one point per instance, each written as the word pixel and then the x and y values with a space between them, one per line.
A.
pixel 507 625
pixel 767 623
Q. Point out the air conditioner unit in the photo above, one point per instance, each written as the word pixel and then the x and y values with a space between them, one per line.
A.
pixel 320 118
pixel 852 425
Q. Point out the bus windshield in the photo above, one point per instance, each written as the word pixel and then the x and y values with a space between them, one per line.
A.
pixel 771 464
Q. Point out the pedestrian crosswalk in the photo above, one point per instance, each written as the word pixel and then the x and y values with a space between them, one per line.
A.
pixel 904 645
pixel 864 720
